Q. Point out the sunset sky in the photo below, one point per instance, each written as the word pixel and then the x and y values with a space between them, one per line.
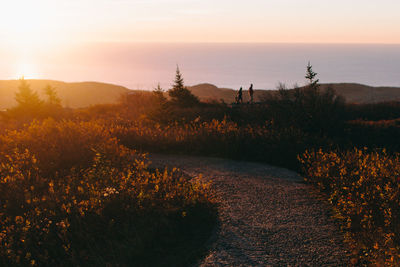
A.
pixel 342 21
pixel 75 40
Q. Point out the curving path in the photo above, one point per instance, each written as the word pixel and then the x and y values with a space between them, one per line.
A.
pixel 267 215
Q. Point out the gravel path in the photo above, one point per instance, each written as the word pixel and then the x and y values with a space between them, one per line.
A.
pixel 267 215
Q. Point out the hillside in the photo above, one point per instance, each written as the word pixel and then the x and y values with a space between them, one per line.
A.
pixel 352 92
pixel 79 94
pixel 82 94
pixel 208 92
pixel 359 93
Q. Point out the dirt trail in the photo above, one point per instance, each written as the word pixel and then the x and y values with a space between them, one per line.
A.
pixel 267 215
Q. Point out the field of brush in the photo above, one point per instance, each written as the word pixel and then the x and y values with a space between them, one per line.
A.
pixel 76 188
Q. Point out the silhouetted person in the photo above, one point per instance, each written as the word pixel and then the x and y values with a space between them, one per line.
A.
pixel 251 93
pixel 239 98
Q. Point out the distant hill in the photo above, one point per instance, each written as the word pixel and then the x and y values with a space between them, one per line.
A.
pixel 352 92
pixel 79 94
pixel 83 94
pixel 206 92
pixel 359 93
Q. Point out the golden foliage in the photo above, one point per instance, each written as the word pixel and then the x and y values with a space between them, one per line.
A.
pixel 103 194
pixel 364 189
pixel 217 138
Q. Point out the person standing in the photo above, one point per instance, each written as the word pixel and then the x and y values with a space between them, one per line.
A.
pixel 251 93
pixel 239 98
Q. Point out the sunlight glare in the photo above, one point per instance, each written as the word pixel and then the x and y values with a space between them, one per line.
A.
pixel 26 70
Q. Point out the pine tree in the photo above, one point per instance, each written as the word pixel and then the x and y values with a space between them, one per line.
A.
pixel 178 83
pixel 52 96
pixel 159 111
pixel 179 94
pixel 310 76
pixel 26 97
pixel 159 93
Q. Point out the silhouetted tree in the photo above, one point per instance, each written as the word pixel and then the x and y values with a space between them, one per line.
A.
pixel 308 107
pixel 178 83
pixel 26 98
pixel 52 96
pixel 323 109
pixel 310 76
pixel 159 110
pixel 52 106
pixel 29 105
pixel 180 95
pixel 159 94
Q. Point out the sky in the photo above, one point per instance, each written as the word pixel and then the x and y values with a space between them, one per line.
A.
pixel 46 22
pixel 37 36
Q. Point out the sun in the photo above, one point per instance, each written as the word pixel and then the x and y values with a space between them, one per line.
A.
pixel 26 70
pixel 26 27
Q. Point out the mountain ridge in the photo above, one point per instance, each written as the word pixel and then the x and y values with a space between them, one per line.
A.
pixel 352 92
pixel 83 94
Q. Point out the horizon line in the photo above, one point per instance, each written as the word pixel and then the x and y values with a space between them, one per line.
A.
pixel 200 83
pixel 231 42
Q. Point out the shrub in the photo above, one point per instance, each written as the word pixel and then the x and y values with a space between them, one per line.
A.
pixel 222 138
pixel 309 108
pixel 363 188
pixel 60 146
pixel 108 208
pixel 371 134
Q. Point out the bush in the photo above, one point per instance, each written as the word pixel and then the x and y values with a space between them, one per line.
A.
pixel 222 138
pixel 60 146
pixel 363 188
pixel 310 109
pixel 106 207
pixel 373 111
pixel 374 134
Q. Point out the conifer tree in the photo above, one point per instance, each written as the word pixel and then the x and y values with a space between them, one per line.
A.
pixel 159 111
pixel 52 96
pixel 310 76
pixel 179 94
pixel 178 83
pixel 26 97
pixel 159 93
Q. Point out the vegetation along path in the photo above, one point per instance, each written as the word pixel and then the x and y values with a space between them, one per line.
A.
pixel 267 215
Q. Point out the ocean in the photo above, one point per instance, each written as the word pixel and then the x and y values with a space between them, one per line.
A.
pixel 143 66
